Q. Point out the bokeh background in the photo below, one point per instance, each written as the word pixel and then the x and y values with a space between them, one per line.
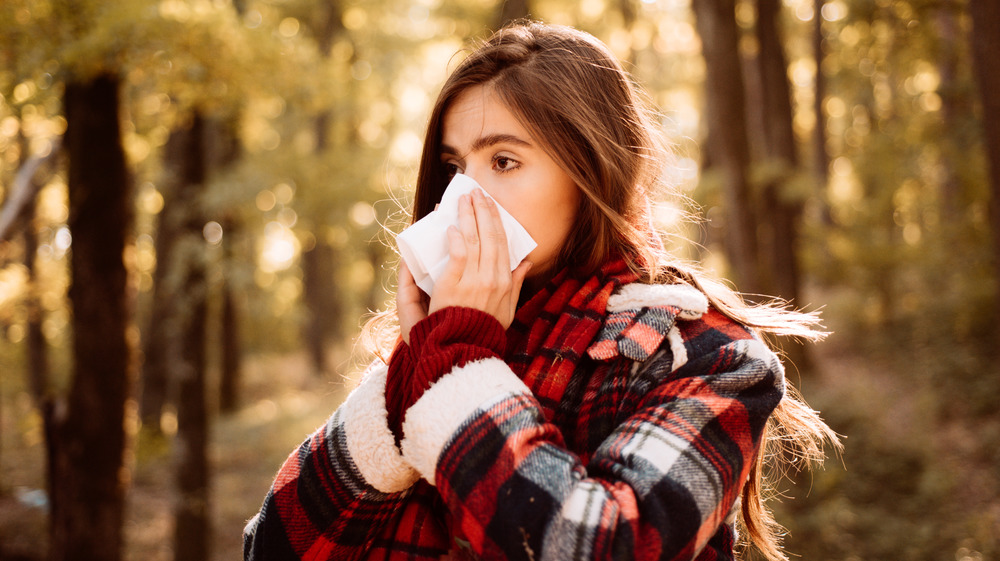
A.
pixel 198 199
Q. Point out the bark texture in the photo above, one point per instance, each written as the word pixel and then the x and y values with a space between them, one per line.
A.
pixel 985 16
pixel 729 148
pixel 85 433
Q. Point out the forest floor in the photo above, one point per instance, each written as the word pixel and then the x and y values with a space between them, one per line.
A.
pixel 903 479
pixel 285 402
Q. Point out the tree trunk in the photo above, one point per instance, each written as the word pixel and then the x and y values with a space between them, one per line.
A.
pixel 38 363
pixel 226 150
pixel 319 269
pixel 727 138
pixel 158 387
pixel 985 16
pixel 323 314
pixel 952 102
pixel 511 10
pixel 821 157
pixel 779 147
pixel 193 525
pixel 85 433
pixel 231 371
pixel 156 355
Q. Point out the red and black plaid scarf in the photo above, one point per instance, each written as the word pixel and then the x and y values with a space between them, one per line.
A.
pixel 552 330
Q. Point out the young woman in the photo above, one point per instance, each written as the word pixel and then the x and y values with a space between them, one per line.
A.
pixel 598 402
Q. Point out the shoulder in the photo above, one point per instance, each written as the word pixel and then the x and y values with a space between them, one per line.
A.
pixel 642 319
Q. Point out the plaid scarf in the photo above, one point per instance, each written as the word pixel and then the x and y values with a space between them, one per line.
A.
pixel 552 330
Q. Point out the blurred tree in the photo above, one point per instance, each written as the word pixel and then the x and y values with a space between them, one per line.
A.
pixel 223 151
pixel 37 351
pixel 188 365
pixel 85 432
pixel 820 153
pixel 728 147
pixel 224 136
pixel 157 334
pixel 780 197
pixel 779 155
pixel 948 64
pixel 985 16
pixel 511 10
pixel 320 264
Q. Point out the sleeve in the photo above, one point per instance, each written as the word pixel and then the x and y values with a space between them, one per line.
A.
pixel 658 487
pixel 335 492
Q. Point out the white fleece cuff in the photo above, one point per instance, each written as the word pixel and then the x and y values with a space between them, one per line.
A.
pixel 690 300
pixel 369 440
pixel 437 416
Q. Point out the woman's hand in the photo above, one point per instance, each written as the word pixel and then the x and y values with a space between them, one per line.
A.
pixel 478 274
pixel 411 302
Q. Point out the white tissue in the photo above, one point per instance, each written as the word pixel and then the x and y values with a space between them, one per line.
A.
pixel 424 245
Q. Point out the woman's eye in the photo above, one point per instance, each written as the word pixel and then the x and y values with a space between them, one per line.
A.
pixel 451 169
pixel 503 163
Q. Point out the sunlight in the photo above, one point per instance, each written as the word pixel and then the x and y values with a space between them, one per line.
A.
pixel 12 283
pixel 213 232
pixel 63 241
pixel 362 214
pixel 265 200
pixel 834 11
pixel 280 248
pixel 406 147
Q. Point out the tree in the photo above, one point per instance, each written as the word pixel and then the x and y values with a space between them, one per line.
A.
pixel 193 524
pixel 511 10
pixel 226 155
pixel 727 144
pixel 85 432
pixel 320 263
pixel 779 201
pixel 780 154
pixel 156 365
pixel 985 16
pixel 820 154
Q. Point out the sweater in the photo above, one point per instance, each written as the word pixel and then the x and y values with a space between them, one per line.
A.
pixel 639 452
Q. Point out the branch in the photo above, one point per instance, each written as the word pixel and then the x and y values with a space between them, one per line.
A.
pixel 23 190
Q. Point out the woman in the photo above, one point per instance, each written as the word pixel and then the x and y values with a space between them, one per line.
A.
pixel 598 402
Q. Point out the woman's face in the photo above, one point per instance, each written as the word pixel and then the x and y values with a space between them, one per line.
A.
pixel 482 139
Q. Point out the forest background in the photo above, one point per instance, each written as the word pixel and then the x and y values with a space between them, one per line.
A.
pixel 197 205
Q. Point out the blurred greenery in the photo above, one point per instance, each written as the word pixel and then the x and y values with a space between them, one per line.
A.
pixel 895 239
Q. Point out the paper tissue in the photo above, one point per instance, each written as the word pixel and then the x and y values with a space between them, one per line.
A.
pixel 424 245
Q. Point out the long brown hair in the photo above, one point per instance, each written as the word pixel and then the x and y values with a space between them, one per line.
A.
pixel 573 96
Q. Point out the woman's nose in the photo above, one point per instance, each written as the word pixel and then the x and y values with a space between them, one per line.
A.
pixel 473 174
pixel 480 175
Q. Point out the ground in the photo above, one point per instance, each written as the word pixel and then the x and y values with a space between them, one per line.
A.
pixel 284 402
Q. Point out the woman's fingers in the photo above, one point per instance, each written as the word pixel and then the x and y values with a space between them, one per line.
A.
pixel 517 281
pixel 478 274
pixel 495 254
pixel 470 234
pixel 518 276
pixel 411 304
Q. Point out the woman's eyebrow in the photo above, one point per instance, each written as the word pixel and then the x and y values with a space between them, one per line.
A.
pixel 489 140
